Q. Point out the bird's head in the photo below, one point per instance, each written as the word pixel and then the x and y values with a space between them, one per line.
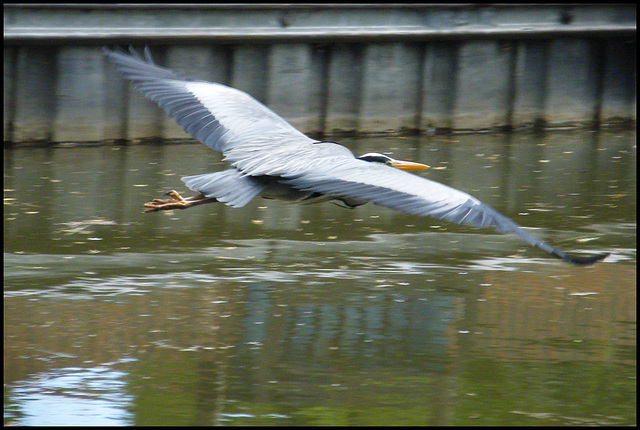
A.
pixel 374 157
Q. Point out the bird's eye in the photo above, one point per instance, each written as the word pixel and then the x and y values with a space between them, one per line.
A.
pixel 376 158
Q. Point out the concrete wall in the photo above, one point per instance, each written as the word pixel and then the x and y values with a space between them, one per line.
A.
pixel 327 69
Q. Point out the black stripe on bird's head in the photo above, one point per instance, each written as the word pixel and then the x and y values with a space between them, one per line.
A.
pixel 374 157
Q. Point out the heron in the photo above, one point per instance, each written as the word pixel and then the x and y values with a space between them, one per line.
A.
pixel 270 158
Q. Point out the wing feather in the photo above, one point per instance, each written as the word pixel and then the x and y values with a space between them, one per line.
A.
pixel 218 116
pixel 392 188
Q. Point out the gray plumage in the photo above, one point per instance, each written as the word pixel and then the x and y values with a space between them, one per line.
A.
pixel 229 186
pixel 271 158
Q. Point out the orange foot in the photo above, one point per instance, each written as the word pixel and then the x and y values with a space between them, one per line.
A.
pixel 175 202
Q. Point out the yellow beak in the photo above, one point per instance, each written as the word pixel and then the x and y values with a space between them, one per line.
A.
pixel 408 165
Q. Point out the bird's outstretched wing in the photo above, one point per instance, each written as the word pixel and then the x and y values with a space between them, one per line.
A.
pixel 393 188
pixel 258 142
pixel 216 115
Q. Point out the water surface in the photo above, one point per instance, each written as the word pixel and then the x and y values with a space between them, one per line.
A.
pixel 309 315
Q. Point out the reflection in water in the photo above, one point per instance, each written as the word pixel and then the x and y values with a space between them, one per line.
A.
pixel 89 397
pixel 365 327
pixel 301 315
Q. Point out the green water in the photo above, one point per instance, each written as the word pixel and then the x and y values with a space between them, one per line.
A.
pixel 319 315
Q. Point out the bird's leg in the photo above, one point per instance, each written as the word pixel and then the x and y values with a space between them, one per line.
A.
pixel 177 202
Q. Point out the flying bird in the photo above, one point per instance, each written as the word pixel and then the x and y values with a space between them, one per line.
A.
pixel 272 159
